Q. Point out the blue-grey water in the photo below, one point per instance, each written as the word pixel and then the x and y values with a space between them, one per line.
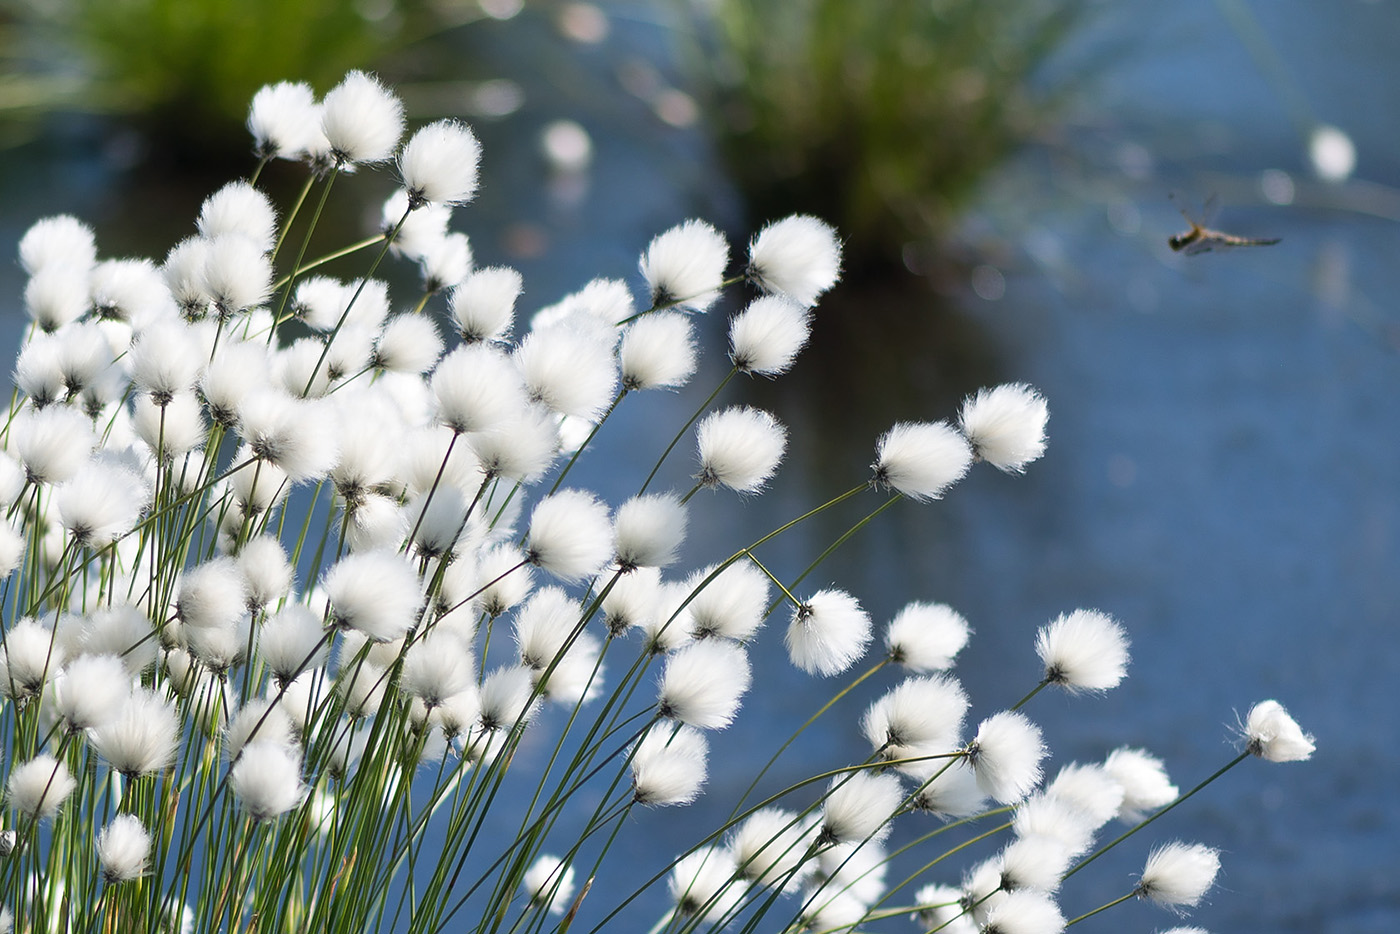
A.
pixel 1224 464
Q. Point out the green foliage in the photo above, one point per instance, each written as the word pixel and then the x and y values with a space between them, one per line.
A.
pixel 189 65
pixel 882 115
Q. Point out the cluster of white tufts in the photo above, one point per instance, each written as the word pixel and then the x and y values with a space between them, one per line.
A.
pixel 296 583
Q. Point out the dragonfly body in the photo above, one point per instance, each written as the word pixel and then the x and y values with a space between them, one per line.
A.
pixel 1202 239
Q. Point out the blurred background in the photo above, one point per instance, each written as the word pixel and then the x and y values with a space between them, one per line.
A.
pixel 1224 465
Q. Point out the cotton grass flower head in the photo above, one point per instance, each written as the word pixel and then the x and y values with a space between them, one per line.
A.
pixel 859 806
pixel 770 846
pixel 657 352
pixel 730 603
pixel 239 208
pixel 266 779
pixel 916 716
pixel 483 306
pixel 649 530
pixel 143 739
pixel 1083 651
pixel 828 632
pixel 90 691
pixel 669 766
pixel 920 460
pixel 1006 425
pixel 1270 733
pixel 376 593
pixel 439 164
pixel 685 266
pixel 571 535
pixel 38 787
pixel 926 636
pixel 1178 875
pixel 1024 911
pixel 702 884
pixel 58 241
pixel 1143 777
pixel 739 447
pixel 361 119
pixel 284 120
pixel 101 503
pixel 29 656
pixel 798 256
pixel 703 684
pixel 123 848
pixel 549 883
pixel 1005 755
pixel 765 337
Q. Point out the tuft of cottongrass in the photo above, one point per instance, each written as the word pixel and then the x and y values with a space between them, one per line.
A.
pixel 276 644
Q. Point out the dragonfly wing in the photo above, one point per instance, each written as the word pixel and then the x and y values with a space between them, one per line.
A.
pixel 1211 209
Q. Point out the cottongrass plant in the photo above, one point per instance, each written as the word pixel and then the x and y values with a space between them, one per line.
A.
pixel 292 570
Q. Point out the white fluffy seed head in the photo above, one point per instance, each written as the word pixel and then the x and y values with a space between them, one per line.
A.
pixel 919 716
pixel 143 739
pixel 101 502
pixel 828 633
pixel 859 806
pixel 770 846
pixel 285 121
pixel 266 779
pixel 483 306
pixel 38 787
pixel 1178 875
pixel 702 884
pixel 732 605
pixel 571 535
pixel 1005 755
pixel 291 641
pixel 239 208
pixel 437 666
pixel 1083 651
pixel 130 290
pixel 1090 788
pixel 703 684
pixel 1024 911
pixel 657 352
pixel 669 766
pixel 685 265
pixel 1006 425
pixel 1143 777
pixel 375 593
pixel 165 358
pixel 921 460
pixel 52 443
pixel 407 344
pixel 57 295
pixel 295 435
pixel 237 274
pixel 61 240
pixel 798 256
pixel 568 371
pixel 650 529
pixel 123 847
pixel 439 164
pixel 739 447
pixel 213 595
pixel 477 389
pixel 258 720
pixel 1034 862
pixel 926 636
pixel 1045 815
pixel 766 337
pixel 91 691
pixel 549 884
pixel 361 119
pixel 1270 733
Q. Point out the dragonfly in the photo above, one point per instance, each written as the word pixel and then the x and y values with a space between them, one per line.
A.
pixel 1202 239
